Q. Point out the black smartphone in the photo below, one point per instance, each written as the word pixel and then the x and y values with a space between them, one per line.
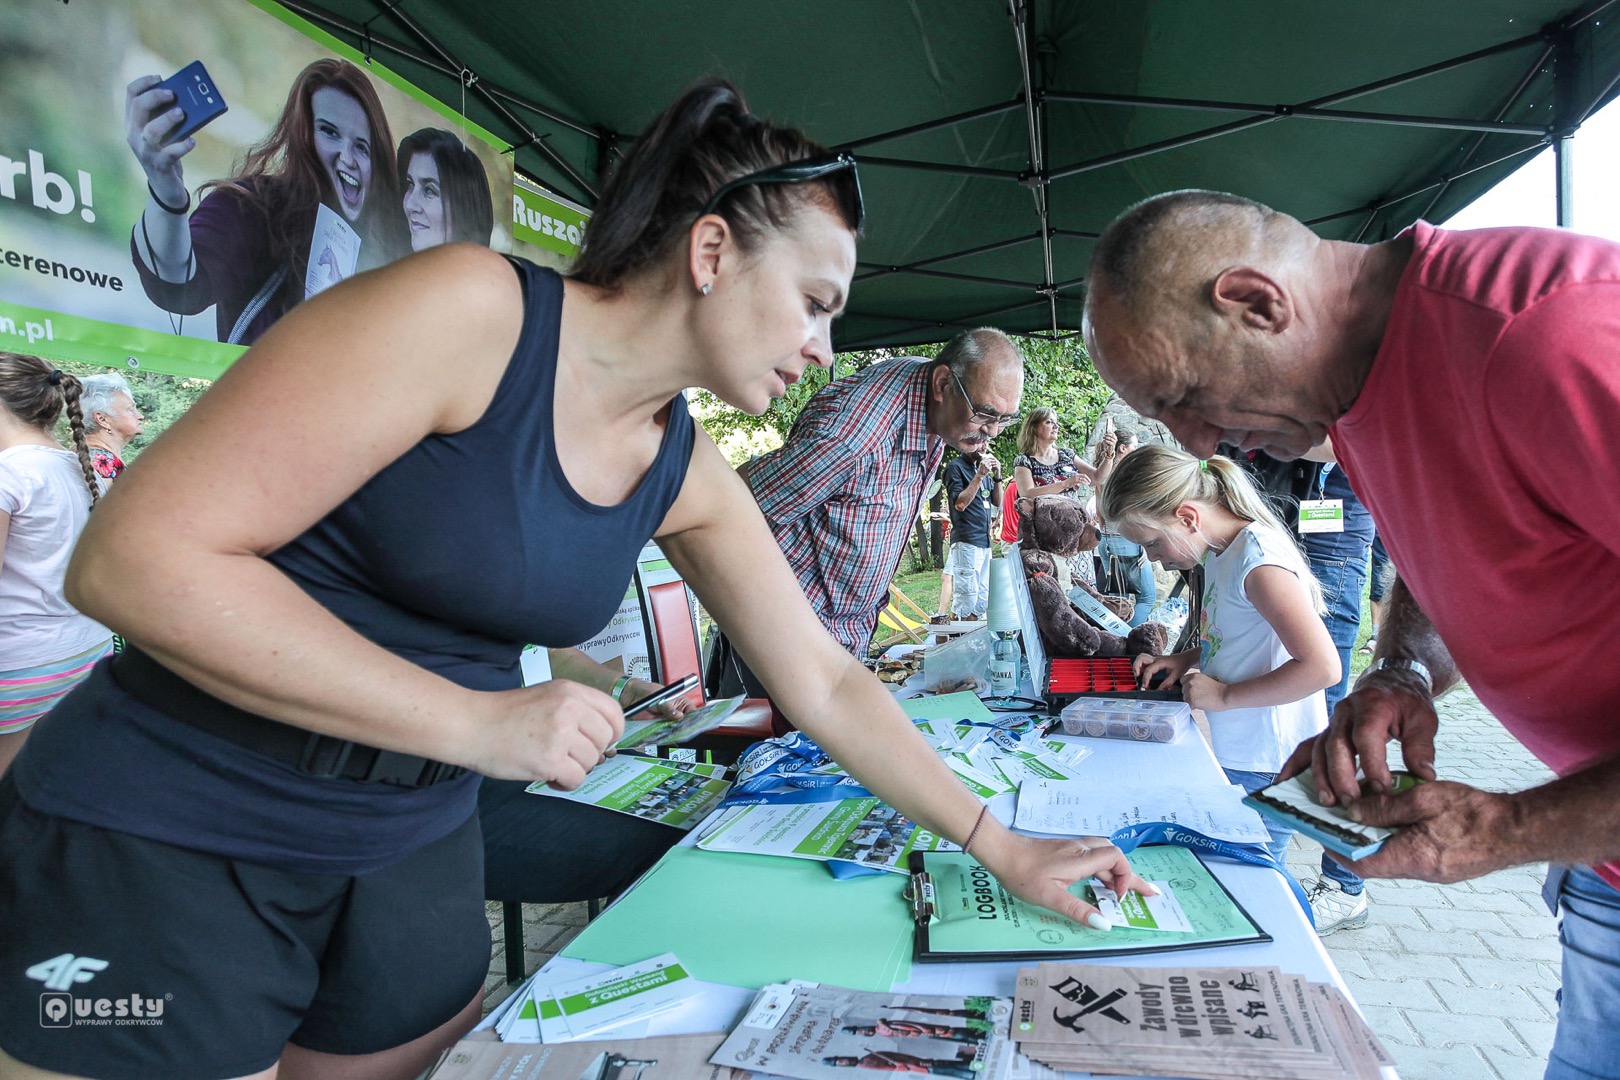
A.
pixel 196 96
pixel 673 690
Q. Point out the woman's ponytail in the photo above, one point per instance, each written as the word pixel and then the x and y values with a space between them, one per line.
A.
pixel 705 139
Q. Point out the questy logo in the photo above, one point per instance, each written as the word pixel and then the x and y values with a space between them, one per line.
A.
pixel 61 972
pixel 60 1009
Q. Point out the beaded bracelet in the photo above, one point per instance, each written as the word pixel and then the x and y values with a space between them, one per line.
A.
pixel 618 687
pixel 968 843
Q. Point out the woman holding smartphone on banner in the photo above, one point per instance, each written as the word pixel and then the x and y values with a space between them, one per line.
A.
pixel 266 806
pixel 246 248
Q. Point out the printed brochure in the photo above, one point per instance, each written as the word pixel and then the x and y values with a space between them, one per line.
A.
pixel 677 793
pixel 667 731
pixel 864 831
pixel 1191 1022
pixel 826 1032
pixel 671 1057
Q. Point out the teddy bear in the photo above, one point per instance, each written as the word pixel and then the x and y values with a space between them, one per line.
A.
pixel 1053 529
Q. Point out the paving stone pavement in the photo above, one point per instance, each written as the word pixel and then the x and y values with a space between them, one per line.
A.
pixel 1458 980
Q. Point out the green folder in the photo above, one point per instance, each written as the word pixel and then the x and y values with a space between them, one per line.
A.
pixel 748 920
pixel 967 915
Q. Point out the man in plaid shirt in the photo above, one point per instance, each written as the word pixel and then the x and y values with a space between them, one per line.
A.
pixel 843 492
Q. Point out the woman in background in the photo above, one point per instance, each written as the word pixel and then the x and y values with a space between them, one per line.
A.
pixel 46 491
pixel 111 421
pixel 1042 467
pixel 246 248
pixel 446 190
pixel 1126 568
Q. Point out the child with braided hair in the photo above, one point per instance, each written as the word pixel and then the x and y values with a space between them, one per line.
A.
pixel 1264 655
pixel 46 492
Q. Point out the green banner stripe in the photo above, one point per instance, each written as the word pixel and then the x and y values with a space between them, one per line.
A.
pixel 72 337
pixel 545 221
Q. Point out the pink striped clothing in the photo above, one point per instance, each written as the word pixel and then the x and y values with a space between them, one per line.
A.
pixel 26 694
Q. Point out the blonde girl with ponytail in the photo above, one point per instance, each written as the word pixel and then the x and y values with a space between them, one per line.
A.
pixel 1263 656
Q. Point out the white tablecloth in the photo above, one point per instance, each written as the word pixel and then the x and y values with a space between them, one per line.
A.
pixel 1128 766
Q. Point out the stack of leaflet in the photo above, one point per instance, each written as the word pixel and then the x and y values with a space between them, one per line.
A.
pixel 826 1032
pixel 866 832
pixel 587 1007
pixel 992 756
pixel 672 1057
pixel 1213 1023
pixel 992 760
pixel 675 793
pixel 791 799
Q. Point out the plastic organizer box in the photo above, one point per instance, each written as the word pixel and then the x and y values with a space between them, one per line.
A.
pixel 1069 678
pixel 1125 718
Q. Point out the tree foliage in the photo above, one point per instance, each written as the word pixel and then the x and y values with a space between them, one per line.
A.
pixel 162 398
pixel 1057 373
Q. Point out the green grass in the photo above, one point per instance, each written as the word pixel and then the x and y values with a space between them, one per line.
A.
pixel 923 588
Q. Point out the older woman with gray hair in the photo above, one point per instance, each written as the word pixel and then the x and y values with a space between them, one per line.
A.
pixel 111 420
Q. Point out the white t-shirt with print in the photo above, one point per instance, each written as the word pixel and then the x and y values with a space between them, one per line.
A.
pixel 1239 644
pixel 42 489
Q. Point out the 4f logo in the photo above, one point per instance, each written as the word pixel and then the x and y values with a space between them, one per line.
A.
pixel 61 972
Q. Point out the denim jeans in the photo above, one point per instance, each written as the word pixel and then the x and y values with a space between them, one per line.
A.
pixel 1136 570
pixel 1339 562
pixel 1587 1044
pixel 1281 834
pixel 1383 571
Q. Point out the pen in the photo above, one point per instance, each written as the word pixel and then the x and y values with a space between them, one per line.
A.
pixel 673 690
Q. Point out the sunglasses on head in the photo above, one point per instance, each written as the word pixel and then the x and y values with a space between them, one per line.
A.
pixel 799 172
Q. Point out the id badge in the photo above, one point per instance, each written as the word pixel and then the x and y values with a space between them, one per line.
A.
pixel 1321 516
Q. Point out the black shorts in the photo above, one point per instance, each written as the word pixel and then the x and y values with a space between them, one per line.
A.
pixel 122 957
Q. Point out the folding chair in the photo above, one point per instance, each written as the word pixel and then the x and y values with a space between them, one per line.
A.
pixel 674 651
pixel 914 630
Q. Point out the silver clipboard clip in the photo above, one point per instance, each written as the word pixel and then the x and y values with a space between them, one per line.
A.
pixel 919 892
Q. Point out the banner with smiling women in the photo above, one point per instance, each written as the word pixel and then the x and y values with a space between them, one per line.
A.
pixel 177 174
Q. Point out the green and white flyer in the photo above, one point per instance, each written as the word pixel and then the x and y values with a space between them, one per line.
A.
pixel 864 831
pixel 677 793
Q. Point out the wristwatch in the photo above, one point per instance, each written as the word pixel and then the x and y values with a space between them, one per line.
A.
pixel 1404 664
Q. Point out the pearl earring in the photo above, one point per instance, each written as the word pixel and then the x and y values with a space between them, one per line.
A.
pixel 706 288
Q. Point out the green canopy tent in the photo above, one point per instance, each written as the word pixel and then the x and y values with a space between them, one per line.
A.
pixel 996 137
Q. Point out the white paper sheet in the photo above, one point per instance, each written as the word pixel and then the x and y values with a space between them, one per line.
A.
pixel 1090 808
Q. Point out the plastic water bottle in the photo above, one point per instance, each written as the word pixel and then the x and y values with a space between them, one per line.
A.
pixel 1005 661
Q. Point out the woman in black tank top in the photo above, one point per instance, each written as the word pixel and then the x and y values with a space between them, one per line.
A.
pixel 463 455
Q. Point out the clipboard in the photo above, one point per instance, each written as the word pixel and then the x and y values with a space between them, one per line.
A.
pixel 960 912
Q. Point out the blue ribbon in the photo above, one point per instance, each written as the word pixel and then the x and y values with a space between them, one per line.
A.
pixel 1131 837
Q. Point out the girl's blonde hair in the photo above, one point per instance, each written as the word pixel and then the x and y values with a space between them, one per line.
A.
pixel 1032 425
pixel 1151 481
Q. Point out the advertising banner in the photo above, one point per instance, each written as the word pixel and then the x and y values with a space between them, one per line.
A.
pixel 547 227
pixel 177 174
